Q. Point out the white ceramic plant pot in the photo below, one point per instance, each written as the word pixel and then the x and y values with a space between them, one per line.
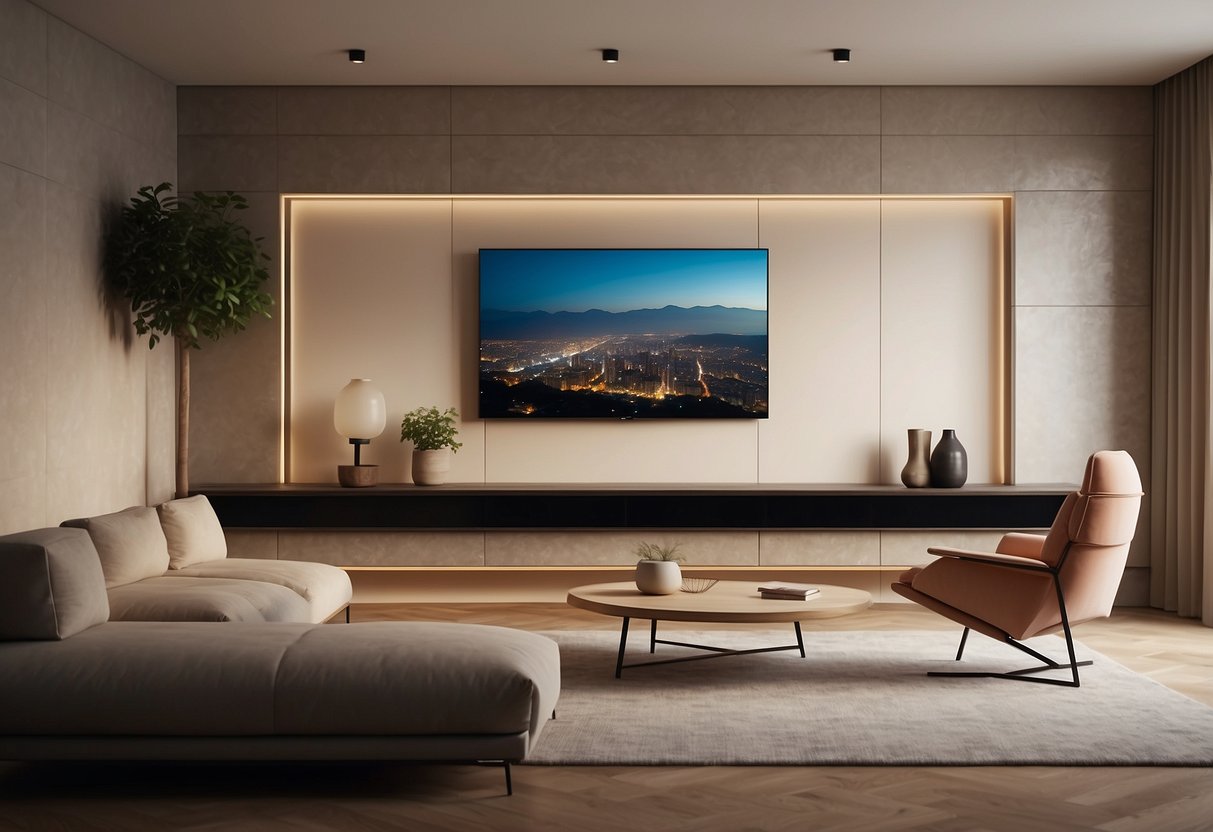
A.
pixel 431 467
pixel 658 577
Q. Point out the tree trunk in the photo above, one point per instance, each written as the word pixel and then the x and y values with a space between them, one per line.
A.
pixel 183 420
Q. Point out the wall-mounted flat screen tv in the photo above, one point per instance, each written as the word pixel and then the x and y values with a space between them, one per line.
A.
pixel 623 333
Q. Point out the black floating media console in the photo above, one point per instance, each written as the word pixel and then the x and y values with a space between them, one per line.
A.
pixel 746 507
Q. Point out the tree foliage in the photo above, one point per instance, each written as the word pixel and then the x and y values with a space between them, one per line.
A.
pixel 187 265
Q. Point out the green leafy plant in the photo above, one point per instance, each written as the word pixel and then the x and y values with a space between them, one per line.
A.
pixel 190 270
pixel 430 429
pixel 656 551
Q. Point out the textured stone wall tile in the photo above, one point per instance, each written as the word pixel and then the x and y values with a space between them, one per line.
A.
pixel 388 548
pixel 235 407
pixel 909 548
pixel 23 44
pixel 819 548
pixel 576 548
pixel 1016 111
pixel 22 128
pixel 364 111
pixel 228 163
pixel 1083 248
pixel 635 111
pixel 364 164
pixel 251 543
pixel 948 164
pixel 226 111
pixel 665 164
pixel 1083 163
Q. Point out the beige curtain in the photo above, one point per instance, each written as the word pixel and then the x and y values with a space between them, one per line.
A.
pixel 1181 481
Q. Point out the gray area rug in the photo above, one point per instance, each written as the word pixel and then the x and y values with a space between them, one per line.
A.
pixel 860 698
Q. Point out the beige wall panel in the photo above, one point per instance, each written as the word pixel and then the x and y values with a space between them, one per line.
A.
pixel 372 298
pixel 1076 248
pixel 23 44
pixel 1011 111
pixel 235 383
pixel 634 111
pixel 364 164
pixel 1084 163
pixel 23 128
pixel 819 548
pixel 365 548
pixel 940 325
pixel 251 543
pixel 364 111
pixel 212 111
pixel 824 341
pixel 947 164
pixel 563 548
pixel 641 451
pixel 24 296
pixel 665 164
pixel 228 163
pixel 96 390
pixel 909 548
pixel 88 77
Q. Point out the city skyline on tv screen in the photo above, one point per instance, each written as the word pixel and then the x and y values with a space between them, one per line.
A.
pixel 623 333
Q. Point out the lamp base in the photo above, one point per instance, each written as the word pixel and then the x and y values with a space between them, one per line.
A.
pixel 358 476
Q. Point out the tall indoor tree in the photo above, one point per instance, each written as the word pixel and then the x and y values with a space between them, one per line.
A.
pixel 190 270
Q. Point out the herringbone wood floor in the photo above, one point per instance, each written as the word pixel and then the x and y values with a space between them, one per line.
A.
pixel 1176 652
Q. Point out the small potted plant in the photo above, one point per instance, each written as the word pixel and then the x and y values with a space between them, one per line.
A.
pixel 657 571
pixel 432 433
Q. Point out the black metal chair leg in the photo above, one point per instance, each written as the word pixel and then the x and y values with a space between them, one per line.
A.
pixel 963 638
pixel 799 638
pixel 509 780
pixel 347 613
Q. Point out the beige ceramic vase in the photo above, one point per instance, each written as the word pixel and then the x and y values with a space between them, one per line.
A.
pixel 431 467
pixel 917 473
pixel 658 577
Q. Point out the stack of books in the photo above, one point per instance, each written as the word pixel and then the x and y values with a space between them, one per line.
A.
pixel 788 592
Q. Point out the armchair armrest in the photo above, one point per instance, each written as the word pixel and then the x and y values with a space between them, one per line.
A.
pixel 993 558
pixel 1021 544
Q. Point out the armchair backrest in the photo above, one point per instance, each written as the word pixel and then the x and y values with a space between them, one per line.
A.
pixel 1093 530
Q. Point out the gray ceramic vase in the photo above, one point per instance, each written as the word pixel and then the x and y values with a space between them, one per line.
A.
pixel 949 462
pixel 917 473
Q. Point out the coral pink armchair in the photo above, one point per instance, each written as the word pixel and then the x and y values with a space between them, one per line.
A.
pixel 1038 584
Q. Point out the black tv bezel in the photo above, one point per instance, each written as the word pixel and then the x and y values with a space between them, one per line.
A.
pixel 748 417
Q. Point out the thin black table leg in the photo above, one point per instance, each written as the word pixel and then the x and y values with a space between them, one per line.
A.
pixel 653 637
pixel 799 638
pixel 623 642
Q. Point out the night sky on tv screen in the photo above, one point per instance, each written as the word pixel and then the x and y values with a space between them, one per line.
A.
pixel 623 333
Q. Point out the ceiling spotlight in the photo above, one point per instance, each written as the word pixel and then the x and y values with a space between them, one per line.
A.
pixel 610 56
pixel 358 56
pixel 842 56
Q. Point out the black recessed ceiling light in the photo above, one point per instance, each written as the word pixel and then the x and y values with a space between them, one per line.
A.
pixel 842 56
pixel 357 56
pixel 610 56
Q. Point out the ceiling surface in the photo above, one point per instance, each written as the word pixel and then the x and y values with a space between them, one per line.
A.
pixel 661 41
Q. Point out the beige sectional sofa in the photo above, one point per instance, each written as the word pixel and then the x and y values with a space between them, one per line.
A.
pixel 76 686
pixel 170 564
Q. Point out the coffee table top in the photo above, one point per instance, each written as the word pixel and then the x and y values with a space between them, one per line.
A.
pixel 727 601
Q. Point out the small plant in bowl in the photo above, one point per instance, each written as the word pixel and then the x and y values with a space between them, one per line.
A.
pixel 432 432
pixel 657 571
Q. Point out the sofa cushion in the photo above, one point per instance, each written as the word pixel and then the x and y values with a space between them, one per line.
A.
pixel 130 544
pixel 51 586
pixel 325 588
pixel 192 531
pixel 206 599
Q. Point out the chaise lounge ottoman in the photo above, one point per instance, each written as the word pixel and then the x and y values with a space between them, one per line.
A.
pixel 74 686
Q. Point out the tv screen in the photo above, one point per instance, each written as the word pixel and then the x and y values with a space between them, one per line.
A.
pixel 623 333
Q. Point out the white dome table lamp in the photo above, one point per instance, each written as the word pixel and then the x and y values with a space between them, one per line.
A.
pixel 360 415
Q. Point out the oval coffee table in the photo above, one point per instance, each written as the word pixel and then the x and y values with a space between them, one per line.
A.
pixel 728 602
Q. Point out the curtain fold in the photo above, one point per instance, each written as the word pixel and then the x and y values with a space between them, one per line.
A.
pixel 1181 477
